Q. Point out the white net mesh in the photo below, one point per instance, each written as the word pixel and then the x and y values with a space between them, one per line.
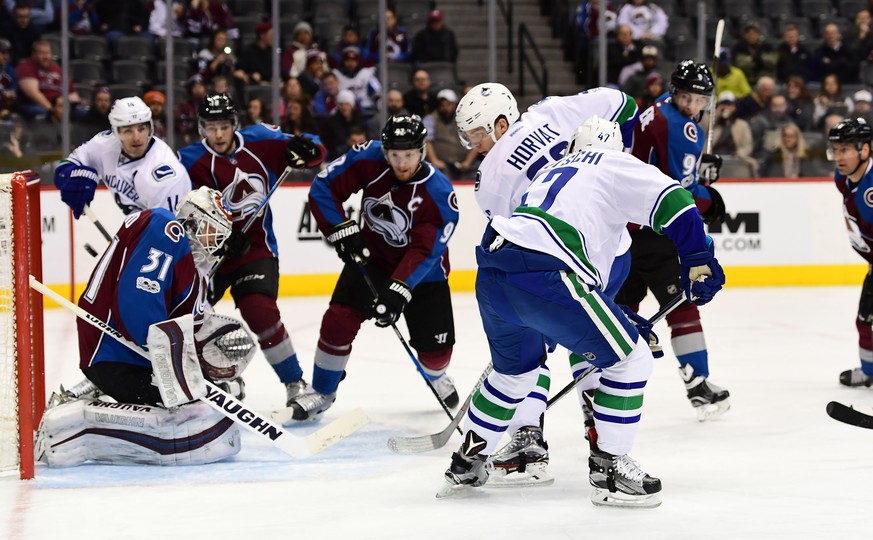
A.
pixel 8 364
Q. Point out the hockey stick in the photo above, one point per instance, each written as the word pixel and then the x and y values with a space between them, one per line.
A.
pixel 93 217
pixel 425 443
pixel 847 414
pixel 719 33
pixel 260 425
pixel 248 225
pixel 372 287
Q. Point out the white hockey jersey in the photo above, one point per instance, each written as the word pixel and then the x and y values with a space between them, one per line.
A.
pixel 538 138
pixel 578 209
pixel 156 180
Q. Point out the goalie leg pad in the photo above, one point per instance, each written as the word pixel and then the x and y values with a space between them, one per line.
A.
pixel 123 433
pixel 176 368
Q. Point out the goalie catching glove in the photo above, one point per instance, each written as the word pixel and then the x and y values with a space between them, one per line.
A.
pixel 224 347
pixel 644 327
pixel 391 302
pixel 349 244
pixel 700 275
pixel 301 152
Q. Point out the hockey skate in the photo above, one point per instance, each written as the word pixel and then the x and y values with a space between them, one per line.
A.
pixel 310 405
pixel 469 468
pixel 294 389
pixel 708 399
pixel 588 414
pixel 84 389
pixel 445 387
pixel 855 377
pixel 619 481
pixel 524 461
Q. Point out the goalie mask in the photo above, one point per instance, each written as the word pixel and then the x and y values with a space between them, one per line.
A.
pixel 207 222
pixel 224 347
pixel 596 132
pixel 481 107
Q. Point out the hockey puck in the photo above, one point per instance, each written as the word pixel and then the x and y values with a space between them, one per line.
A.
pixel 91 251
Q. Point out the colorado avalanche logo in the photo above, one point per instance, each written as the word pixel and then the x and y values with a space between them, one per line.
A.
pixel 386 219
pixel 245 194
pixel 868 197
pixel 690 132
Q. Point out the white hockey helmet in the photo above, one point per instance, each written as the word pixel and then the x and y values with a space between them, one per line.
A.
pixel 130 111
pixel 205 218
pixel 596 132
pixel 482 107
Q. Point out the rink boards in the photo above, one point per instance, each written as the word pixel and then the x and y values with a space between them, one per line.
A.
pixel 777 232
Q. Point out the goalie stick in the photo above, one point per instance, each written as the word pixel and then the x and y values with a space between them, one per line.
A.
pixel 229 406
pixel 847 414
pixel 426 443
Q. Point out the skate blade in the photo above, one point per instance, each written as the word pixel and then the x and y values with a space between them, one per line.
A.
pixel 604 497
pixel 454 491
pixel 535 475
pixel 712 410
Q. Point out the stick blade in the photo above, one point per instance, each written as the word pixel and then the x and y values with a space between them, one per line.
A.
pixel 848 415
pixel 719 34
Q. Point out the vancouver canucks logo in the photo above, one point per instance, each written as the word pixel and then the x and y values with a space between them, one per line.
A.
pixel 162 172
pixel 245 194
pixel 386 219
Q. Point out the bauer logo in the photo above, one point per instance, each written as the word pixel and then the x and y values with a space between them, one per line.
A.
pixel 738 232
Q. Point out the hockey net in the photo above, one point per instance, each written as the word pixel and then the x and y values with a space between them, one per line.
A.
pixel 22 379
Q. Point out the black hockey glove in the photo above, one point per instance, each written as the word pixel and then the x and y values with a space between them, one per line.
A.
pixel 717 211
pixel 644 327
pixel 865 306
pixel 390 303
pixel 710 168
pixel 236 245
pixel 349 244
pixel 301 152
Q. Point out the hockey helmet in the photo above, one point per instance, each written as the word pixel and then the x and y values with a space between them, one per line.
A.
pixel 481 107
pixel 216 107
pixel 852 131
pixel 694 77
pixel 596 132
pixel 129 111
pixel 404 132
pixel 206 219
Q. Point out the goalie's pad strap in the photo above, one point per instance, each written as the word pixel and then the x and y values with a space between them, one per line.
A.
pixel 174 361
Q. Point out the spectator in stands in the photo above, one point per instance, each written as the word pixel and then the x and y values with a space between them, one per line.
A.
pixel 647 20
pixel 753 55
pixel 862 37
pixel 793 57
pixel 730 78
pixel 8 80
pixel 632 78
pixel 15 145
pixel 221 85
pixel 254 114
pixel 357 135
pixel 299 120
pixel 186 112
pixel 42 12
pixel 586 31
pixel 256 60
pixel 435 42
pixel 861 105
pixel 217 58
pixel 767 125
pixel 830 100
pixel 444 149
pixel 310 77
pixel 654 89
pixel 96 119
pixel 756 101
pixel 81 16
pixel 361 81
pixel 394 106
pixel 800 103
pixel 324 101
pixel 339 125
pixel 22 34
pixel 39 82
pixel 398 45
pixel 292 91
pixel 789 159
pixel 835 56
pixel 294 57
pixel 158 18
pixel 202 18
pixel 121 19
pixel 731 136
pixel 621 53
pixel 420 99
pixel 156 102
pixel 47 132
pixel 350 37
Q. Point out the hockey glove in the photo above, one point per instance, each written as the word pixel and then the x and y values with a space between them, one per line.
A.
pixel 349 244
pixel 865 306
pixel 645 329
pixel 700 275
pixel 710 167
pixel 301 152
pixel 77 184
pixel 390 303
pixel 236 245
pixel 716 211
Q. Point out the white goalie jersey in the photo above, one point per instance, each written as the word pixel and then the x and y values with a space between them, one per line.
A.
pixel 538 138
pixel 156 180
